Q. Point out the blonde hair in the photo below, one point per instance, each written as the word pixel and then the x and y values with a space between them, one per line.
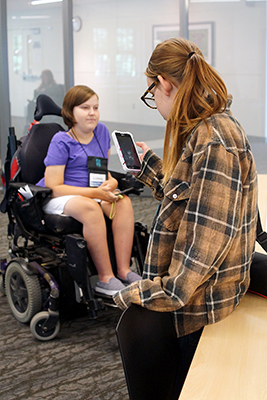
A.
pixel 201 93
pixel 75 96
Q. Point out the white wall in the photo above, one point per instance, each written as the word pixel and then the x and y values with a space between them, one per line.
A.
pixel 240 48
pixel 238 43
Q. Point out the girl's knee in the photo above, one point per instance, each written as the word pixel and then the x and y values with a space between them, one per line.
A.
pixel 125 202
pixel 124 207
pixel 81 206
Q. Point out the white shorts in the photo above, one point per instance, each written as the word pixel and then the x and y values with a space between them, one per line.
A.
pixel 56 205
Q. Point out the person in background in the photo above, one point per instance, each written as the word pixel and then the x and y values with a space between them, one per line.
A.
pixel 82 187
pixel 203 236
pixel 49 87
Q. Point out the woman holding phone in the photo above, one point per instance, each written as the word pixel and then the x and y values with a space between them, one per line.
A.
pixel 203 236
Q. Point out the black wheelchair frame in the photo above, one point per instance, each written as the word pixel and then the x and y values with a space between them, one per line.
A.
pixel 50 274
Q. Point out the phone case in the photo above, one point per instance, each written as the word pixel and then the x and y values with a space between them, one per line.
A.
pixel 120 154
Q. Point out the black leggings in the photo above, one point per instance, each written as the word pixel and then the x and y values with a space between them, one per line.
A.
pixel 188 345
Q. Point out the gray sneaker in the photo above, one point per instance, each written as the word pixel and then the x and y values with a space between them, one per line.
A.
pixel 110 288
pixel 130 278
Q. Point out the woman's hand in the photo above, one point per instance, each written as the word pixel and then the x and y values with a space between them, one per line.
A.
pixel 144 147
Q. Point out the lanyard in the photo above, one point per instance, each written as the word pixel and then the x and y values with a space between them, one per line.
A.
pixel 96 177
pixel 73 134
pixel 97 166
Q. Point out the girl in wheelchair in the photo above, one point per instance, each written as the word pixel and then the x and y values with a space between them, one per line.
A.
pixel 82 187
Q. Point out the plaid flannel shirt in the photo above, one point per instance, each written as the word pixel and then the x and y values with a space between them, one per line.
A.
pixel 203 236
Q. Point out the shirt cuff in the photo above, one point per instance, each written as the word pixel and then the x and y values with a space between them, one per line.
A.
pixel 147 173
pixel 125 297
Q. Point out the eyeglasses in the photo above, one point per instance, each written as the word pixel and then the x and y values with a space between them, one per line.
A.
pixel 148 98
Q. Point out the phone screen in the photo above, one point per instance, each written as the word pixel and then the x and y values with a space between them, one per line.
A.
pixel 128 151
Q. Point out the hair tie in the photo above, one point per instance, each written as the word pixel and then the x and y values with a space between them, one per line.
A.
pixel 190 54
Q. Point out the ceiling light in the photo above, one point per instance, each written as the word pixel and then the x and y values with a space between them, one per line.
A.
pixel 215 1
pixel 34 17
pixel 37 2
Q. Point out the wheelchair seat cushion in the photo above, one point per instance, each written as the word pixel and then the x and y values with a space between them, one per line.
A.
pixel 62 225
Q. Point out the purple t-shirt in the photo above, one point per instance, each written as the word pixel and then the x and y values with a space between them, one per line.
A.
pixel 64 150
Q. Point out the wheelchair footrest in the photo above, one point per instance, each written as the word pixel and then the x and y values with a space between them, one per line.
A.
pixel 107 300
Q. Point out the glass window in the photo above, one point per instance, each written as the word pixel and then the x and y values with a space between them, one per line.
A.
pixel 35 57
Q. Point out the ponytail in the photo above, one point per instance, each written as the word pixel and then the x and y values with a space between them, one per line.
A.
pixel 201 93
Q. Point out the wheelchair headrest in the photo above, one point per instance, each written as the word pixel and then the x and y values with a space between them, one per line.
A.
pixel 45 106
pixel 34 150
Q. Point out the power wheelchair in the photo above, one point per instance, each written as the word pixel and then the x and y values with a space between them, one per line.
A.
pixel 51 274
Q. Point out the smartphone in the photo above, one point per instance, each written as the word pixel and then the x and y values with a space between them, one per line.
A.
pixel 127 151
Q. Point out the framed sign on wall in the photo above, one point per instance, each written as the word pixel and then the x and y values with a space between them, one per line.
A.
pixel 199 33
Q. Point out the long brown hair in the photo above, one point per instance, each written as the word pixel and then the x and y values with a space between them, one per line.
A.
pixel 201 93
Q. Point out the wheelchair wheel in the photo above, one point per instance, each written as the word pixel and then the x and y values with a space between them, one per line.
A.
pixel 36 327
pixel 23 293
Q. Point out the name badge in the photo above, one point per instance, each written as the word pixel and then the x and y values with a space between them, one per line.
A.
pixel 97 170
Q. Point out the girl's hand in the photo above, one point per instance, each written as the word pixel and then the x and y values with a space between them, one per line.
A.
pixel 144 147
pixel 105 184
pixel 104 192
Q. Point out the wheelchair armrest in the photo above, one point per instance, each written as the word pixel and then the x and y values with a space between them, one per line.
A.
pixel 27 210
pixel 40 191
